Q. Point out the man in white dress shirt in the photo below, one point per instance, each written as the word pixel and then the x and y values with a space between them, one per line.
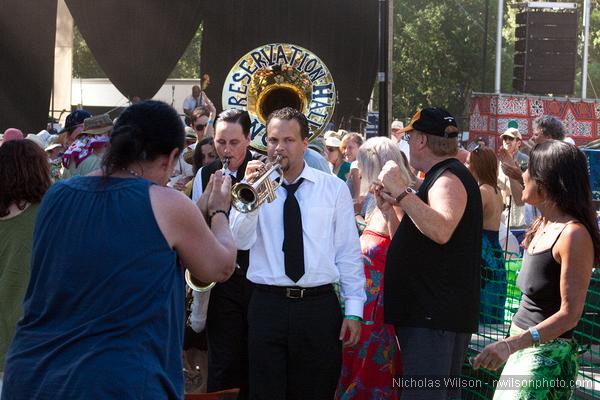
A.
pixel 300 244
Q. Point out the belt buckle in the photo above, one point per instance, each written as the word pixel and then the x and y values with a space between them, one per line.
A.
pixel 294 293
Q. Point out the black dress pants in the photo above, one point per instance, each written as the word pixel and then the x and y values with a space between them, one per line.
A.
pixel 435 353
pixel 227 334
pixel 294 346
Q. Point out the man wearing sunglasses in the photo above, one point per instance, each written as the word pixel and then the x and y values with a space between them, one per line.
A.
pixel 511 142
pixel 201 120
pixel 511 167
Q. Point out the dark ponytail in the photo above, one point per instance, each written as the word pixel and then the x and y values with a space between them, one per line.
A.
pixel 143 132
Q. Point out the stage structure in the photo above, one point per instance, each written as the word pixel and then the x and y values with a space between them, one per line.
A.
pixel 138 43
pixel 27 36
pixel 343 33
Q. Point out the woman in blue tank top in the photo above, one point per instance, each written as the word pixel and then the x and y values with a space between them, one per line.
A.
pixel 562 247
pixel 103 312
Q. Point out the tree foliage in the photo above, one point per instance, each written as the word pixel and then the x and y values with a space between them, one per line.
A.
pixel 84 62
pixel 188 66
pixel 439 59
pixel 438 54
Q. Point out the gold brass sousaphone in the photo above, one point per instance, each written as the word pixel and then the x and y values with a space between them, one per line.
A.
pixel 266 79
pixel 280 75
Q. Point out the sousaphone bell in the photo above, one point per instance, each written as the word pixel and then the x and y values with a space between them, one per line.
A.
pixel 279 75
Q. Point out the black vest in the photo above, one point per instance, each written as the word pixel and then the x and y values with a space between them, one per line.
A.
pixel 243 256
pixel 428 285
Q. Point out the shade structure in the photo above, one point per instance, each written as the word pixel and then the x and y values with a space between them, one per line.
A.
pixel 343 33
pixel 137 43
pixel 27 34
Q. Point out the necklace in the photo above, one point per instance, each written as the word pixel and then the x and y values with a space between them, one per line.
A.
pixel 132 172
pixel 547 226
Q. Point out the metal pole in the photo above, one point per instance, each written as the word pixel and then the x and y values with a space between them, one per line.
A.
pixel 499 45
pixel 586 38
pixel 507 227
pixel 485 45
pixel 390 59
pixel 51 107
pixel 381 74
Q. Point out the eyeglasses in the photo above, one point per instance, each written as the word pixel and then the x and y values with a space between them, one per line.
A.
pixel 200 127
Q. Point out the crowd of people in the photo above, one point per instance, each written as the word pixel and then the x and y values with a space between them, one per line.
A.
pixel 99 222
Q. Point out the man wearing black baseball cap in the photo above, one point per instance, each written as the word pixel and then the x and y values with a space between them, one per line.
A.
pixel 433 262
pixel 74 125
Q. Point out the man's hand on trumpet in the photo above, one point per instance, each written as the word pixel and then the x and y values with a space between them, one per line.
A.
pixel 255 169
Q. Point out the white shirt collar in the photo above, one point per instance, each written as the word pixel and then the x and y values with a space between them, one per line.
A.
pixel 308 173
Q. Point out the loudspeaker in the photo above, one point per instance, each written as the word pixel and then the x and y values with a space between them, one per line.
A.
pixel 545 52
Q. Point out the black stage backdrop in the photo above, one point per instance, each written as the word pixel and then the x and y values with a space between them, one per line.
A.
pixel 342 33
pixel 27 33
pixel 137 42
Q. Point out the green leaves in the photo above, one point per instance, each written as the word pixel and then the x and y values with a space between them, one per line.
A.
pixel 437 54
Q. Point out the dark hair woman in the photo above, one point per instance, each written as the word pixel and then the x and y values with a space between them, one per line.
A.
pixel 103 314
pixel 204 153
pixel 483 164
pixel 562 247
pixel 24 179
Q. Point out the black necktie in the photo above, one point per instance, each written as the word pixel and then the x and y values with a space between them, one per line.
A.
pixel 293 244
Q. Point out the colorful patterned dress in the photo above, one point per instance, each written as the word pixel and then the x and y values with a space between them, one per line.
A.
pixel 369 367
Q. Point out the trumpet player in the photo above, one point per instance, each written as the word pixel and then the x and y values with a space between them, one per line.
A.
pixel 300 244
pixel 226 326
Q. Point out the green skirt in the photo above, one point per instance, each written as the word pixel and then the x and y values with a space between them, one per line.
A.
pixel 546 372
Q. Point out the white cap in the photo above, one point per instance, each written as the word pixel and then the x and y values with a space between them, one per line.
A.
pixel 35 139
pixel 53 146
pixel 397 124
pixel 332 141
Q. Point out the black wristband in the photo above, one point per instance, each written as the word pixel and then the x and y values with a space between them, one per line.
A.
pixel 212 214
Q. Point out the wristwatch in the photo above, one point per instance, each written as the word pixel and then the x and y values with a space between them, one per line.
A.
pixel 404 193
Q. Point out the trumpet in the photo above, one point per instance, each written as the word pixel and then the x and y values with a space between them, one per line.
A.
pixel 248 197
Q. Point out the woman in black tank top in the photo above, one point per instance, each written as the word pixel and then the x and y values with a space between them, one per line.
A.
pixel 562 247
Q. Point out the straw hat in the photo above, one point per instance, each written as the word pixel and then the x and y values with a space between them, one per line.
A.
pixel 98 125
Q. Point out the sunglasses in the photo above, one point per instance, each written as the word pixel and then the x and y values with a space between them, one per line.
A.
pixel 200 127
pixel 332 148
pixel 508 138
